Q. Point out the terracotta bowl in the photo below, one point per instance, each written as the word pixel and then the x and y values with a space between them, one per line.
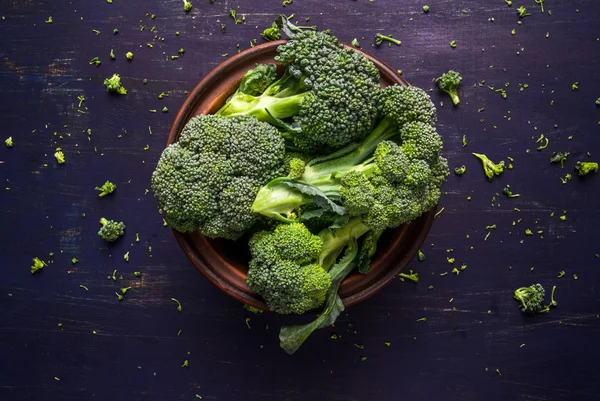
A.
pixel 224 262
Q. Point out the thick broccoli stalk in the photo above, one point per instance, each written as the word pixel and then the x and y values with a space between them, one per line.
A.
pixel 385 183
pixel 449 83
pixel 321 103
pixel 111 230
pixel 284 269
pixel 489 167
pixel 584 168
pixel 209 179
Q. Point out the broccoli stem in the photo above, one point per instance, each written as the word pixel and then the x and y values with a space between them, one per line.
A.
pixel 257 106
pixel 279 201
pixel 454 97
pixel 334 242
pixel 103 221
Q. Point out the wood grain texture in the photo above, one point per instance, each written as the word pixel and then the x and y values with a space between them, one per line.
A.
pixel 136 353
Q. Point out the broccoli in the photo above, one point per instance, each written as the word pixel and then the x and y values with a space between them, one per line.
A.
pixel 356 43
pixel 385 183
pixel 187 6
pixel 284 269
pixel 129 55
pixel 379 38
pixel 257 80
pixel 209 179
pixel 522 12
pixel 320 103
pixel 106 188
pixel 272 33
pixel 425 9
pixel 532 299
pixel 9 142
pixel 559 157
pixel 59 156
pixel 598 102
pixel 449 83
pixel 460 170
pixel 584 168
pixel 489 167
pixel 113 84
pixel 111 230
pixel 37 265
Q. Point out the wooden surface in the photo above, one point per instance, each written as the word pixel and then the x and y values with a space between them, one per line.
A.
pixel 474 343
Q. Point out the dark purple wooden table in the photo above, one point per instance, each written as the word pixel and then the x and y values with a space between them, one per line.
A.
pixel 61 342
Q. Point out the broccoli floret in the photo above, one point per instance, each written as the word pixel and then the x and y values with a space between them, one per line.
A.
pixel 460 170
pixel 379 38
pixel 9 142
pixel 37 265
pixel 321 103
pixel 106 188
pixel 531 298
pixel 113 84
pixel 522 12
pixel 355 43
pixel 209 179
pixel 272 33
pixel 129 55
pixel 489 167
pixel 385 183
pixel 284 269
pixel 59 156
pixel 111 230
pixel 598 102
pixel 449 83
pixel 187 6
pixel 584 168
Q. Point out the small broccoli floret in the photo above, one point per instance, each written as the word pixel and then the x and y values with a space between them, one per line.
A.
pixel 531 298
pixel 187 6
pixel 59 156
pixel 449 83
pixel 106 188
pixel 111 230
pixel 460 170
pixel 9 142
pixel 379 38
pixel 113 84
pixel 489 167
pixel 522 12
pixel 320 103
pixel 271 33
pixel 129 55
pixel 355 43
pixel 284 269
pixel 209 179
pixel 584 168
pixel 598 102
pixel 37 265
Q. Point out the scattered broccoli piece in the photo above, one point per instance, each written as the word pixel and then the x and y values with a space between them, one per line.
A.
pixel 489 167
pixel 460 170
pixel 113 84
pixel 508 2
pixel 522 12
pixel 412 276
pixel 106 188
pixel 112 54
pixel 111 230
pixel 584 168
pixel 507 191
pixel 37 265
pixel 49 20
pixel 129 55
pixel 59 156
pixel 385 183
pixel 379 38
pixel 421 256
pixel 575 86
pixel 541 3
pixel 284 269
pixel 449 83
pixel 252 309
pixel 531 298
pixel 9 142
pixel 453 44
pixel 209 179
pixel 187 6
pixel 271 33
pixel 96 61
pixel 559 157
pixel 356 44
pixel 331 103
pixel 426 9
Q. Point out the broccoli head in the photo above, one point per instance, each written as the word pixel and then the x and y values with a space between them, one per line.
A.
pixel 284 269
pixel 584 168
pixel 113 84
pixel 449 83
pixel 326 99
pixel 111 230
pixel 531 298
pixel 384 182
pixel 489 167
pixel 209 179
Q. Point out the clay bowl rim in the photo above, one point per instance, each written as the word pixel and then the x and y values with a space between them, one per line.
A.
pixel 388 263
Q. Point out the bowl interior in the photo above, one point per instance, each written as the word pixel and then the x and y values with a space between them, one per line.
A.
pixel 224 262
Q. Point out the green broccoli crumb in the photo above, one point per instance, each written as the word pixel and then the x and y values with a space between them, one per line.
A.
pixel 420 256
pixel 129 55
pixel 507 191
pixel 137 274
pixel 49 20
pixel 412 276
pixel 106 188
pixel 59 156
pixel 356 44
pixel 575 86
pixel 379 38
pixel 126 257
pixel 113 84
pixel 508 2
pixel 179 307
pixel 460 170
pixel 9 142
pixel 522 12
pixel 425 9
pixel 252 309
pixel 489 167
pixel 271 33
pixel 37 265
pixel 112 54
pixel 453 44
pixel 528 232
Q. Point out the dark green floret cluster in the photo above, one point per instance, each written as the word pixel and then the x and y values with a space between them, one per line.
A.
pixel 111 230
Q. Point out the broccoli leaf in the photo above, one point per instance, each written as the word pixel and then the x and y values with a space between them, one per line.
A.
pixel 318 196
pixel 292 337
